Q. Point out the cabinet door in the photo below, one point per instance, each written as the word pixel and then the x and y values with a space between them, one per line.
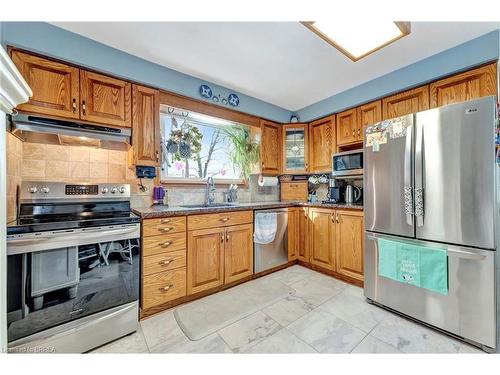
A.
pixel 406 102
pixel 347 127
pixel 105 99
pixel 302 235
pixel 270 147
pixel 322 144
pixel 205 259
pixel 293 229
pixel 322 237
pixel 368 114
pixel 349 244
pixel 238 252
pixel 55 86
pixel 145 125
pixel 295 148
pixel 294 191
pixel 465 86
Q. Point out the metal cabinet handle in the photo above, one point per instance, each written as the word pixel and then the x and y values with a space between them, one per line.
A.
pixel 359 132
pixel 354 133
pixel 166 243
pixel 227 237
pixel 74 105
pixel 337 217
pixel 222 238
pixel 157 156
pixel 166 288
pixel 165 229
pixel 165 262
pixel 332 217
pixel 165 221
pixel 84 107
pixel 224 219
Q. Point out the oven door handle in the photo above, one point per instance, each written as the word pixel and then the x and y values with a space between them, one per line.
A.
pixel 95 232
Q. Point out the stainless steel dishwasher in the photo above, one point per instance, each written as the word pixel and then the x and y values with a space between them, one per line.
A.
pixel 275 253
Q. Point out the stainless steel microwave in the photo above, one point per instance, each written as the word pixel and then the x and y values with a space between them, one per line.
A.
pixel 347 164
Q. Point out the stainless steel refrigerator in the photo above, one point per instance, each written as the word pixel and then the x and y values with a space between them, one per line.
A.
pixel 430 178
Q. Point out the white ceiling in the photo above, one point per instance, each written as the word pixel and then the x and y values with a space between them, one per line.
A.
pixel 282 63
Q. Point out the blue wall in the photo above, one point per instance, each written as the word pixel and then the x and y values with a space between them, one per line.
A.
pixel 462 57
pixel 53 41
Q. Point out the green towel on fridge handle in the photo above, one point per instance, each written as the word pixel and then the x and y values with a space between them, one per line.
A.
pixel 418 265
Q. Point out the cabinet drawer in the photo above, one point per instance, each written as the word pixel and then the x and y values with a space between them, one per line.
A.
pixel 294 191
pixel 221 219
pixel 163 262
pixel 163 244
pixel 167 225
pixel 163 287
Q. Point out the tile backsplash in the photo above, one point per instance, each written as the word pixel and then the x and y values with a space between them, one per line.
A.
pixel 80 164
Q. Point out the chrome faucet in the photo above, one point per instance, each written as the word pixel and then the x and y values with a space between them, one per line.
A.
pixel 210 192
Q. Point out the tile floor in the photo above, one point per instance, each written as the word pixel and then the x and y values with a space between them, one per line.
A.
pixel 325 315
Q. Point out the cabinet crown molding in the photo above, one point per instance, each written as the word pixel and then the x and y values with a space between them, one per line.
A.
pixel 14 90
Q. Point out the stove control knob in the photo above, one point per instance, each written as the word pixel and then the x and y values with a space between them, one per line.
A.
pixel 114 190
pixel 33 189
pixel 104 190
pixel 45 190
pixel 122 189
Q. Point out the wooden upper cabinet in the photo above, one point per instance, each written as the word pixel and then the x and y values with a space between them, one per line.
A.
pixel 368 114
pixel 295 148
pixel 205 259
pixel 105 99
pixel 469 85
pixel 349 244
pixel 55 86
pixel 270 147
pixel 322 237
pixel 145 126
pixel 321 144
pixel 238 252
pixel 406 102
pixel 347 127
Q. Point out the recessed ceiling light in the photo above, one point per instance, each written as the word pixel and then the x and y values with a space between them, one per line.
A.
pixel 357 40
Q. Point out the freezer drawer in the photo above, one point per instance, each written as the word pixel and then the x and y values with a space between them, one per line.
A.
pixel 467 311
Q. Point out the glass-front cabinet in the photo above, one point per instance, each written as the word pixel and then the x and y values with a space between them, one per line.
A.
pixel 295 148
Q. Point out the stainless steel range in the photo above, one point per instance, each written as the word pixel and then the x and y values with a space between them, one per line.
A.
pixel 73 267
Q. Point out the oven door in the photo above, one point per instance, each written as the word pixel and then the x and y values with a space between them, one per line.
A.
pixel 349 163
pixel 56 277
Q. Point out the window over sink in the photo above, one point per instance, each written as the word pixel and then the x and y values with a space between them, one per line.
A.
pixel 196 146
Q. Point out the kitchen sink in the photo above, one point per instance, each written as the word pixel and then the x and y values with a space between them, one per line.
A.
pixel 208 205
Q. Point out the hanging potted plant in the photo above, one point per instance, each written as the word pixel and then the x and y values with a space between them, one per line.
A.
pixel 244 151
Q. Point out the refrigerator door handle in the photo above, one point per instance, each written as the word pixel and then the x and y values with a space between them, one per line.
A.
pixel 408 190
pixel 419 189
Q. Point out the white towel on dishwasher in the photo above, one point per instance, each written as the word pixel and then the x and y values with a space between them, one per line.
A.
pixel 266 224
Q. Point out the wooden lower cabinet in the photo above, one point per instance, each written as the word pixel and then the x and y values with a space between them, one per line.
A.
pixel 322 237
pixel 298 234
pixel 349 244
pixel 238 253
pixel 162 287
pixel 205 261
pixel 218 256
pixel 336 241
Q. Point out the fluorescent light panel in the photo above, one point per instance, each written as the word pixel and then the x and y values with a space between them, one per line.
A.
pixel 357 40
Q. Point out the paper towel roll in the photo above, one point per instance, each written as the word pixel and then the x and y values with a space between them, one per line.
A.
pixel 268 181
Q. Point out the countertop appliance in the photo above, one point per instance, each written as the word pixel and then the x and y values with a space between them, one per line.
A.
pixel 72 267
pixel 336 194
pixel 347 164
pixel 275 253
pixel 353 194
pixel 430 180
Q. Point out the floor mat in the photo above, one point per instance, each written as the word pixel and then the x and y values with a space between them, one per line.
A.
pixel 205 316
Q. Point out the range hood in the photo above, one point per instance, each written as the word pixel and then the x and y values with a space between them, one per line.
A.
pixel 40 129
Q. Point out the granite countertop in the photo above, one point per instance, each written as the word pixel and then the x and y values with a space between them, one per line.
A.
pixel 165 211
